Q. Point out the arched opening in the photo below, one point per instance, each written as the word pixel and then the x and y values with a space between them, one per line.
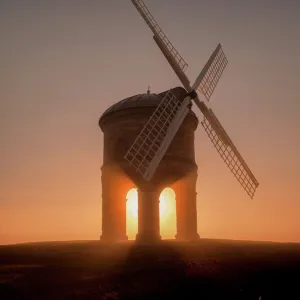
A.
pixel 167 214
pixel 132 213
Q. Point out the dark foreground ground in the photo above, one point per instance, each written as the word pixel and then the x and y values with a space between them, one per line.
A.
pixel 209 269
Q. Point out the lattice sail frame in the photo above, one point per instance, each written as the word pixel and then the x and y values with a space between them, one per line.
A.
pixel 147 16
pixel 205 83
pixel 211 73
pixel 230 154
pixel 150 146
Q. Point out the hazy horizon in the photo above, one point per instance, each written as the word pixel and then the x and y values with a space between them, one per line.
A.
pixel 64 63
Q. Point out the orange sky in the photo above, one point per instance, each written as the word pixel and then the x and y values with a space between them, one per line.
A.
pixel 63 64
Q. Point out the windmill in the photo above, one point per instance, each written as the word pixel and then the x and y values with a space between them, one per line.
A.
pixel 151 144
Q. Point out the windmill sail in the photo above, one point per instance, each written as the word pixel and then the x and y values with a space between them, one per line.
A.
pixel 151 145
pixel 211 73
pixel 153 141
pixel 229 153
pixel 147 16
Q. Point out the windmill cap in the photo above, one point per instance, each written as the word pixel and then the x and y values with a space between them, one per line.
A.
pixel 143 100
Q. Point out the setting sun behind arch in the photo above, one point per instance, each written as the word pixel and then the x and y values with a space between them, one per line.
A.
pixel 167 213
pixel 132 213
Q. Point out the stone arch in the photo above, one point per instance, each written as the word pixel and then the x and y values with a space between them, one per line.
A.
pixel 115 186
pixel 167 214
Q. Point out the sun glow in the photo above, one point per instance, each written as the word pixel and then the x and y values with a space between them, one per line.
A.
pixel 166 207
pixel 167 213
pixel 132 213
pixel 132 203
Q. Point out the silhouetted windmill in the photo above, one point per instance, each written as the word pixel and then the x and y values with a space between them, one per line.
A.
pixel 153 141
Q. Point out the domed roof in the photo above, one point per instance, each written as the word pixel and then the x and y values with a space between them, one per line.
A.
pixel 142 100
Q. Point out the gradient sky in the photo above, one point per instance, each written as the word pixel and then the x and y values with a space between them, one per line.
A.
pixel 62 63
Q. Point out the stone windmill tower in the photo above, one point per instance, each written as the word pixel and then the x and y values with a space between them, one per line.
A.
pixel 121 123
pixel 155 135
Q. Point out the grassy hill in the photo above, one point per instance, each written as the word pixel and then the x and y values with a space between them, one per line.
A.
pixel 208 269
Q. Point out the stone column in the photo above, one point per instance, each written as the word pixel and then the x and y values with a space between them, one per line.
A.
pixel 148 215
pixel 186 207
pixel 113 204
